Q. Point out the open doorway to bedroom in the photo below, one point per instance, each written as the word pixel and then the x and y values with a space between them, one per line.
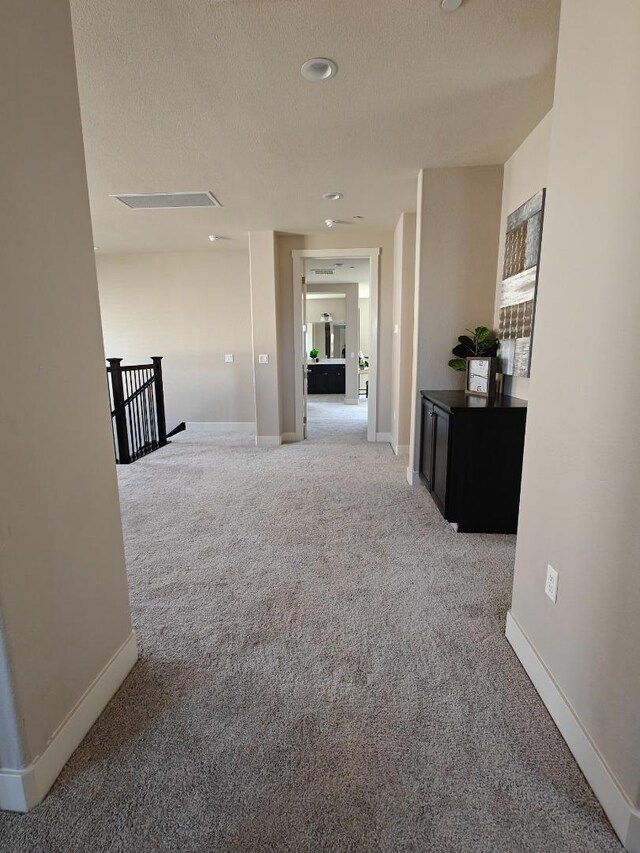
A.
pixel 336 304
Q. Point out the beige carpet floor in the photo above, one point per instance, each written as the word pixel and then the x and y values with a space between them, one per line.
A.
pixel 322 668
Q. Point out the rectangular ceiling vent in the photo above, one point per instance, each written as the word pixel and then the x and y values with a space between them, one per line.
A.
pixel 167 201
pixel 323 272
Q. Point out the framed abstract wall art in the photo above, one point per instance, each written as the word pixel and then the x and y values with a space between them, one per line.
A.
pixel 519 285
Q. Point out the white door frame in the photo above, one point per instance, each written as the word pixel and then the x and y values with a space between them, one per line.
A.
pixel 298 257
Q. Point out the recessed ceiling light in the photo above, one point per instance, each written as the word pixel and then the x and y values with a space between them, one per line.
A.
pixel 213 237
pixel 451 5
pixel 332 196
pixel 318 70
pixel 330 222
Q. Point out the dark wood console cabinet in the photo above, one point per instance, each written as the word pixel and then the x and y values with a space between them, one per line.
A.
pixel 326 379
pixel 471 458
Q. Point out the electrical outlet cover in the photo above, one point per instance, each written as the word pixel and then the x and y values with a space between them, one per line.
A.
pixel 551 584
pixel 228 358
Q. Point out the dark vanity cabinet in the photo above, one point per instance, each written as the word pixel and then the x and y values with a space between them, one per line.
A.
pixel 325 379
pixel 471 458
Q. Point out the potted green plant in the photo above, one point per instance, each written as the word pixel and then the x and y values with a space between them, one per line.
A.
pixel 480 341
pixel 314 354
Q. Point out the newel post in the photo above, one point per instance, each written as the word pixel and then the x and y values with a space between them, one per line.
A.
pixel 117 389
pixel 162 421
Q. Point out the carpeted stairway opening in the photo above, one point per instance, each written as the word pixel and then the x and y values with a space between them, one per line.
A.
pixel 322 668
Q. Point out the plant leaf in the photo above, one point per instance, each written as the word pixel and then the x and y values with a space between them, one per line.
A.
pixel 461 351
pixel 458 363
pixel 468 342
pixel 481 333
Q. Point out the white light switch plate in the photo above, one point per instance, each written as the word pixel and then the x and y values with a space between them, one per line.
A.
pixel 263 359
pixel 551 584
pixel 228 357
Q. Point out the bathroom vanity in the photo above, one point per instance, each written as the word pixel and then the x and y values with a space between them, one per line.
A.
pixel 326 378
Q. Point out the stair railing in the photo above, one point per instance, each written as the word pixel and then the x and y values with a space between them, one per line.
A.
pixel 137 408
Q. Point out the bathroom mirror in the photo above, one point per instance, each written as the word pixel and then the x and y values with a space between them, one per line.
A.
pixel 330 339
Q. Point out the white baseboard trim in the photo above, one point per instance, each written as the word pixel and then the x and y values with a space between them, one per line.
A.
pixel 21 790
pixel 413 477
pixel 384 437
pixel 268 440
pixel 624 817
pixel 400 449
pixel 349 402
pixel 222 426
pixel 289 437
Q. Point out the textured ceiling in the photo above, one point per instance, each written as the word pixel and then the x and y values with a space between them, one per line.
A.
pixel 181 95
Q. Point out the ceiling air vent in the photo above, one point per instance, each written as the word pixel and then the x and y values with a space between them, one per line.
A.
pixel 165 201
pixel 323 272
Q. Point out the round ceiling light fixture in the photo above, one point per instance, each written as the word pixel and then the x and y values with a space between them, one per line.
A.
pixel 332 196
pixel 330 223
pixel 318 70
pixel 450 5
pixel 213 237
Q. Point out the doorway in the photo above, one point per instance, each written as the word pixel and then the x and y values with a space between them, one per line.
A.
pixel 335 308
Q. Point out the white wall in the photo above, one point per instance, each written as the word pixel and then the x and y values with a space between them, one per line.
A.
pixel 336 307
pixel 191 308
pixel 580 503
pixel 364 307
pixel 457 236
pixel 525 173
pixel 64 609
pixel 264 329
pixel 404 254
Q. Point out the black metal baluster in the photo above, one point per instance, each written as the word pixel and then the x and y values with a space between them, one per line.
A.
pixel 124 457
pixel 158 388
pixel 111 408
pixel 135 417
pixel 145 411
pixel 132 439
pixel 145 402
pixel 140 374
pixel 152 409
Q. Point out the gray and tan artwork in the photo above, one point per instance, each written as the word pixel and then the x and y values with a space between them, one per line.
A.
pixel 519 283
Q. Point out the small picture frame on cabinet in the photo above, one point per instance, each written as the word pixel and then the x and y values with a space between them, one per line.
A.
pixel 480 380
